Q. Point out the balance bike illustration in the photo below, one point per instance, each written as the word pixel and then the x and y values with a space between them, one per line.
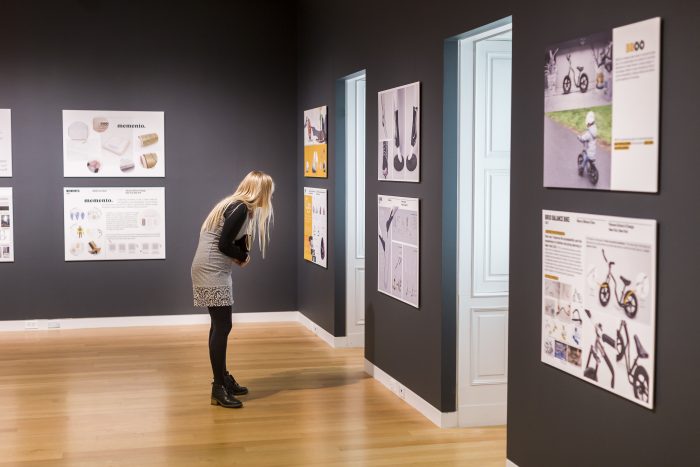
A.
pixel 627 299
pixel 636 374
pixel 580 82
pixel 597 352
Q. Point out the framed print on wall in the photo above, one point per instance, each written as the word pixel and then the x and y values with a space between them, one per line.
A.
pixel 601 104
pixel 316 142
pixel 399 134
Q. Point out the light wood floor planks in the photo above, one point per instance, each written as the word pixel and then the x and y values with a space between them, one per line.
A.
pixel 140 396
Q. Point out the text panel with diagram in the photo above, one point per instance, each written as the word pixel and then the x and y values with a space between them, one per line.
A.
pixel 599 300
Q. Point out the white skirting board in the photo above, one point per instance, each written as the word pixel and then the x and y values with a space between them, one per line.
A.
pixel 133 321
pixel 509 463
pixel 441 419
pixel 326 336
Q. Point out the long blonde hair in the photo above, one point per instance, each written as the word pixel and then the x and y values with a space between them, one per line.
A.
pixel 255 191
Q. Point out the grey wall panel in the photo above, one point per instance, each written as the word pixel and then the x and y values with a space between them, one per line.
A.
pixel 553 419
pixel 228 90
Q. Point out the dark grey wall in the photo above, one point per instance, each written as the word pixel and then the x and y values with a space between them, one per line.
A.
pixel 553 418
pixel 226 80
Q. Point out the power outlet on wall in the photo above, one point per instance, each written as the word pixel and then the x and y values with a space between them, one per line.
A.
pixel 401 392
pixel 54 324
pixel 31 324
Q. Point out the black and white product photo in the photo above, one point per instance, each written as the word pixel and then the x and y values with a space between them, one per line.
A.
pixel 399 134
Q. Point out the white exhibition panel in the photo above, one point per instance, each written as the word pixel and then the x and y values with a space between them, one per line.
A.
pixel 103 224
pixel 398 251
pixel 5 143
pixel 316 226
pixel 599 301
pixel 399 134
pixel 601 101
pixel 7 222
pixel 109 143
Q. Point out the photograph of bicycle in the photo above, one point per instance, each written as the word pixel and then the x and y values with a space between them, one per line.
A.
pixel 578 113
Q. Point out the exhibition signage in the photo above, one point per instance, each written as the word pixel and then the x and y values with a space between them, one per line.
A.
pixel 601 103
pixel 114 223
pixel 599 301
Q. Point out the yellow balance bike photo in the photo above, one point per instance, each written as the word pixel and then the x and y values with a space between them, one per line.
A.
pixel 626 299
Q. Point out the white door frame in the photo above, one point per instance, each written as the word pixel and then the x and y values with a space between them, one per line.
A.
pixel 486 406
pixel 355 234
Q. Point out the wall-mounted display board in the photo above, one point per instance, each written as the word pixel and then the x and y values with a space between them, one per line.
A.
pixel 601 102
pixel 398 251
pixel 599 300
pixel 114 223
pixel 316 226
pixel 7 246
pixel 316 142
pixel 399 134
pixel 5 143
pixel 99 143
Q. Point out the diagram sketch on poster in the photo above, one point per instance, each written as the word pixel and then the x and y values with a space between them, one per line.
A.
pixel 7 246
pixel 5 143
pixel 398 248
pixel 114 223
pixel 399 134
pixel 316 226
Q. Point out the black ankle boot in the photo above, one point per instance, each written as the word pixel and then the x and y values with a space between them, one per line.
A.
pixel 220 396
pixel 233 387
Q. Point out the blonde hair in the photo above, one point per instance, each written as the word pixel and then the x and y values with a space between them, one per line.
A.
pixel 255 191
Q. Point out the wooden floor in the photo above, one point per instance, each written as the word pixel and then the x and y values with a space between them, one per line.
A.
pixel 140 396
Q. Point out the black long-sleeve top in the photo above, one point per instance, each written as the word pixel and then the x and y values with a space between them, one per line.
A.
pixel 235 216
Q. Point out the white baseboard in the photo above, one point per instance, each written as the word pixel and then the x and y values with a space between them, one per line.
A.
pixel 327 337
pixel 441 419
pixel 355 340
pixel 134 321
pixel 482 414
pixel 509 463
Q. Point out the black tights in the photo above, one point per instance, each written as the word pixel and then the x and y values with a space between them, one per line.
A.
pixel 218 338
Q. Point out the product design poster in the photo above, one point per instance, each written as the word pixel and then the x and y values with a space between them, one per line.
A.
pixel 114 223
pixel 7 247
pixel 601 102
pixel 316 226
pixel 399 134
pixel 316 142
pixel 599 301
pixel 5 143
pixel 100 143
pixel 398 248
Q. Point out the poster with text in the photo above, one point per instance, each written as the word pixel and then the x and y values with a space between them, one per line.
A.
pixel 601 103
pixel 7 246
pixel 399 134
pixel 5 143
pixel 599 301
pixel 316 226
pixel 398 248
pixel 114 223
pixel 316 142
pixel 106 143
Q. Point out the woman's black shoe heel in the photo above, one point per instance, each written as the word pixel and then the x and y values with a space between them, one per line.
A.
pixel 220 396
pixel 233 387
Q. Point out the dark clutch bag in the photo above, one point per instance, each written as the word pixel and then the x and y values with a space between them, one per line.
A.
pixel 244 243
